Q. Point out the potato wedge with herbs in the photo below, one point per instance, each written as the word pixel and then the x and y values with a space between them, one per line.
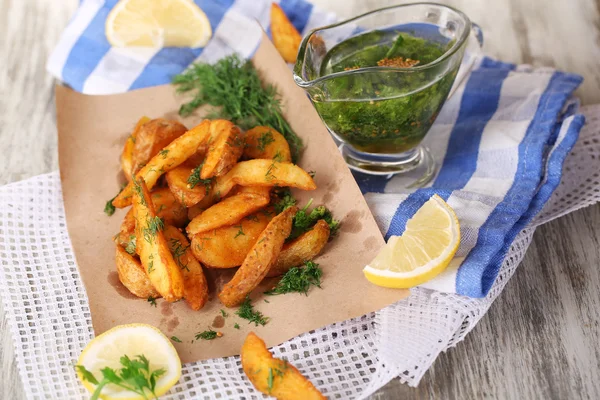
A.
pixel 195 287
pixel 132 275
pixel 188 194
pixel 262 256
pixel 225 148
pixel 155 255
pixel 264 142
pixel 227 212
pixel 175 154
pixel 127 154
pixel 305 247
pixel 286 37
pixel 272 376
pixel 152 137
pixel 227 247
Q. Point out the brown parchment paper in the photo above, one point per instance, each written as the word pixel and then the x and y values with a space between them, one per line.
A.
pixel 91 133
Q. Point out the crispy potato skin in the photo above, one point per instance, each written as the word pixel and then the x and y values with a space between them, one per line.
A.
pixel 305 247
pixel 173 155
pixel 262 256
pixel 260 367
pixel 132 275
pixel 227 212
pixel 195 287
pixel 225 148
pixel 226 247
pixel 177 179
pixel 127 154
pixel 153 249
pixel 152 137
pixel 257 147
pixel 285 36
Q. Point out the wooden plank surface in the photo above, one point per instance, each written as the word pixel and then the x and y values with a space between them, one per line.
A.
pixel 539 339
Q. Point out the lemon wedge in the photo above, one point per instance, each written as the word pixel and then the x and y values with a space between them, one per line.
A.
pixel 424 250
pixel 132 340
pixel 157 23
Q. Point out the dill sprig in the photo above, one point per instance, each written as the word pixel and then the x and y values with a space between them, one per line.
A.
pixel 178 250
pixel 194 180
pixel 246 311
pixel 264 140
pixel 135 376
pixel 304 220
pixel 155 225
pixel 298 280
pixel 233 86
pixel 152 301
pixel 207 335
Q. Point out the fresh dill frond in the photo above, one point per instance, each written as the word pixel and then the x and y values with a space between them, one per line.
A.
pixel 234 88
pixel 178 250
pixel 175 339
pixel 206 335
pixel 155 225
pixel 246 311
pixel 195 180
pixel 298 280
pixel 264 140
pixel 240 231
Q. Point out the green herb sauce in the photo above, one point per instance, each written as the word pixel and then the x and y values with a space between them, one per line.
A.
pixel 383 110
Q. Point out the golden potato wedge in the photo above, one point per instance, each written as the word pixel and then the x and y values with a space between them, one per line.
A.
pixel 227 212
pixel 286 37
pixel 132 275
pixel 152 246
pixel 195 287
pixel 194 211
pixel 262 256
pixel 184 192
pixel 168 207
pixel 227 247
pixel 175 154
pixel 225 148
pixel 305 247
pixel 127 154
pixel 266 173
pixel 151 138
pixel 272 376
pixel 266 143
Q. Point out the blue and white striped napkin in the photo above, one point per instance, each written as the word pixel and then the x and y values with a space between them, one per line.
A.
pixel 500 140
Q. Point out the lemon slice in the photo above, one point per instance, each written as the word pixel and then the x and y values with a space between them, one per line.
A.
pixel 131 340
pixel 157 23
pixel 423 251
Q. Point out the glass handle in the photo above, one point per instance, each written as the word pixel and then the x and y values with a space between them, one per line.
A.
pixel 472 54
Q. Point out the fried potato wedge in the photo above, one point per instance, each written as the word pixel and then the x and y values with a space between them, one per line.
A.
pixel 186 193
pixel 195 287
pixel 305 247
pixel 152 137
pixel 132 275
pixel 227 247
pixel 227 212
pixel 127 154
pixel 175 154
pixel 262 256
pixel 225 148
pixel 273 376
pixel 286 37
pixel 155 255
pixel 266 143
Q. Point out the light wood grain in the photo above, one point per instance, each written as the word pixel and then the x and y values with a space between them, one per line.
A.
pixel 540 338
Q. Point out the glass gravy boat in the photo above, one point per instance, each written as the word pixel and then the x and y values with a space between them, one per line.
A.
pixel 382 112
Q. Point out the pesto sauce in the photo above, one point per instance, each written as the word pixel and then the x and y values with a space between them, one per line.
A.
pixel 383 111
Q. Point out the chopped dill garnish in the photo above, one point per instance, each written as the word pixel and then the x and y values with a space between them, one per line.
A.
pixel 236 325
pixel 298 280
pixel 224 313
pixel 131 245
pixel 278 156
pixel 155 225
pixel 240 232
pixel 252 218
pixel 206 335
pixel 178 250
pixel 269 176
pixel 233 87
pixel 264 140
pixel 194 179
pixel 138 189
pixel 152 301
pixel 246 311
pixel 164 153
pixel 175 339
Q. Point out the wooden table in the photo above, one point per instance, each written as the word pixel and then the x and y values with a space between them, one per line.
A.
pixel 540 338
